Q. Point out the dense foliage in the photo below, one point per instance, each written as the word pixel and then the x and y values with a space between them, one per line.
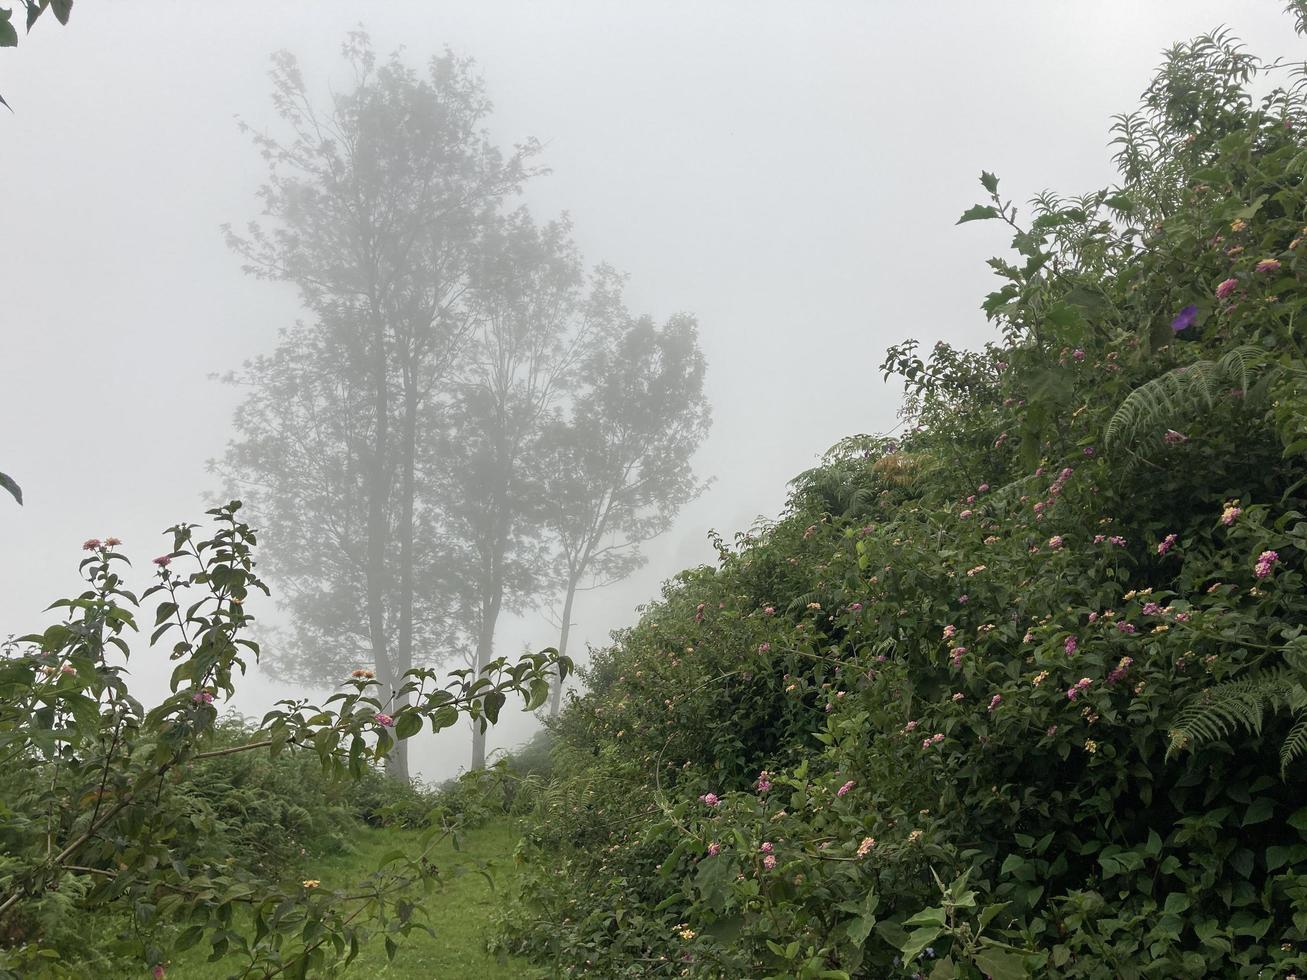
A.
pixel 177 829
pixel 1022 691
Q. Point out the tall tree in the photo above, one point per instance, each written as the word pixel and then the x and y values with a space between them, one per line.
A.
pixel 620 464
pixel 375 209
pixel 535 328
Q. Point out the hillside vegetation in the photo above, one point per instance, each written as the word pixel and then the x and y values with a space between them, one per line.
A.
pixel 1018 692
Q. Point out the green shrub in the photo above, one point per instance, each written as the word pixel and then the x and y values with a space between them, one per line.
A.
pixel 1022 692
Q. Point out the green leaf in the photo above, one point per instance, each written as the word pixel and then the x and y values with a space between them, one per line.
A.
pixel 918 940
pixel 990 181
pixel 1002 964
pixel 979 212
pixel 61 8
pixel 494 700
pixel 408 725
pixel 1260 811
pixel 8 39
pixel 444 716
pixel 7 481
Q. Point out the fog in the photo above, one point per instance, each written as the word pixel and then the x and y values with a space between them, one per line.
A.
pixel 789 174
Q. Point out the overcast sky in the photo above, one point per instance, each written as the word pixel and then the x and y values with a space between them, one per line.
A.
pixel 788 172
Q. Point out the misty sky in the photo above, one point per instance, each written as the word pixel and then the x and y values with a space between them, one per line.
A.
pixel 788 172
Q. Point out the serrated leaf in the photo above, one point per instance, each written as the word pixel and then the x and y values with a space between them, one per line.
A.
pixel 979 212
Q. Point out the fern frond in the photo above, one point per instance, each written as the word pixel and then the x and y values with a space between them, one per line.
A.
pixel 1295 744
pixel 1169 399
pixel 1223 709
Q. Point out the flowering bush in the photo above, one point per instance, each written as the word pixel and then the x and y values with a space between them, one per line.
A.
pixel 1024 685
pixel 119 810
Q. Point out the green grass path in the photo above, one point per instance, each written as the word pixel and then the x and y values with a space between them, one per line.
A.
pixel 459 911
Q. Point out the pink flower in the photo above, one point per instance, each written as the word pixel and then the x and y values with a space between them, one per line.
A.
pixel 158 973
pixel 1225 288
pixel 1231 512
pixel 1126 628
pixel 1071 645
pixel 769 862
pixel 764 647
pixel 764 781
pixel 766 847
pixel 910 726
pixel 959 696
pixel 956 655
pixel 963 600
pixel 865 847
pixel 1151 609
pixel 769 611
pixel 1268 265
pixel 995 701
pixel 202 697
pixel 1173 438
pixel 714 849
pixel 710 799
pixel 1117 540
pixel 950 631
pixel 1052 730
pixel 855 607
pixel 1080 686
pixel 1055 542
pixel 965 514
pixel 844 790
pixel 1265 562
pixel 163 561
pixel 1088 450
pixel 1166 544
pixel 90 544
pixel 1093 617
pixel 1078 354
pixel 983 488
pixel 930 740
pixel 112 542
pixel 385 720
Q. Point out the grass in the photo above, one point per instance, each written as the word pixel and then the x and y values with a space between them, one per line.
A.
pixel 459 911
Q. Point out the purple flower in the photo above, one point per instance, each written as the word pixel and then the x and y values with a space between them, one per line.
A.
pixel 714 849
pixel 1186 317
pixel 1071 645
pixel 844 790
pixel 1166 544
pixel 1265 562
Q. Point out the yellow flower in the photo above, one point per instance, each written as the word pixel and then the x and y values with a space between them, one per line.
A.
pixel 686 933
pixel 1040 678
pixel 311 883
pixel 1091 746
pixel 914 837
pixel 1238 224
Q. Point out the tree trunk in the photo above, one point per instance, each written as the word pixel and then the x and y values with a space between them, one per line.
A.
pixel 556 698
pixel 408 463
pixel 378 497
pixel 485 652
